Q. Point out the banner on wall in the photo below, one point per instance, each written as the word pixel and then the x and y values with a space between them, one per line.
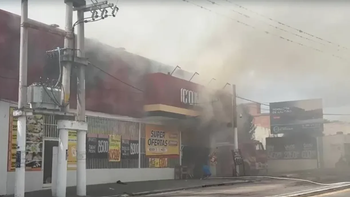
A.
pixel 34 142
pixel 114 148
pixel 161 142
pixel 91 145
pixel 158 162
pixel 125 149
pixel 72 150
pixel 134 149
pixel 102 146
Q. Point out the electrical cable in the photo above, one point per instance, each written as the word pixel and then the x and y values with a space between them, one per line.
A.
pixel 276 27
pixel 286 25
pixel 266 32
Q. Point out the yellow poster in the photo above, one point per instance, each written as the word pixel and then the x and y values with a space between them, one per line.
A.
pixel 161 141
pixel 72 150
pixel 34 142
pixel 12 142
pixel 114 148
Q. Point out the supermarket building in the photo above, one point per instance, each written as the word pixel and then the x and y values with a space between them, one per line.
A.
pixel 132 135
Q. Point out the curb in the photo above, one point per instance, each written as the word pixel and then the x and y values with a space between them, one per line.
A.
pixel 186 188
pixel 319 191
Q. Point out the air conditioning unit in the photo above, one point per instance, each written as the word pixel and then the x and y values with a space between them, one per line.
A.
pixel 44 97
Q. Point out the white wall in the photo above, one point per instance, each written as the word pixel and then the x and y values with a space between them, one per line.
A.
pixel 261 133
pixel 333 149
pixel 291 165
pixel 4 128
pixel 34 180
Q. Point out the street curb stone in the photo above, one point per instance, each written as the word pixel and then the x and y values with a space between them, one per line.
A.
pixel 185 188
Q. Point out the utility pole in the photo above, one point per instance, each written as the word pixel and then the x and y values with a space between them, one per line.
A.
pixel 235 123
pixel 22 103
pixel 81 135
pixel 65 96
pixel 80 62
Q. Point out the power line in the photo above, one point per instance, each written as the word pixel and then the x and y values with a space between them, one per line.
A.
pixel 10 78
pixel 264 31
pixel 286 25
pixel 276 27
pixel 114 77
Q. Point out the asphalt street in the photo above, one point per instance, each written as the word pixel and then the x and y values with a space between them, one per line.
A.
pixel 258 189
pixel 340 193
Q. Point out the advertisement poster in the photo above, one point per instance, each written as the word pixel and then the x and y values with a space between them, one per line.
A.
pixel 34 143
pixel 161 142
pixel 12 142
pixel 72 150
pixel 102 146
pixel 114 148
pixel 134 149
pixel 158 162
pixel 91 145
pixel 125 149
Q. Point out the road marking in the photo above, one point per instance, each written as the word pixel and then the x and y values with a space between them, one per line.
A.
pixel 332 193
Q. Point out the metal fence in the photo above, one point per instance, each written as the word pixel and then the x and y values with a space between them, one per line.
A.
pixel 99 125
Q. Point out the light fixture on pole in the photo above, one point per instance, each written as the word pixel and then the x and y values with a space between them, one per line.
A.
pixel 212 79
pixel 177 67
pixel 194 75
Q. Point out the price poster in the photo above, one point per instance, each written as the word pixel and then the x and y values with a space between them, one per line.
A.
pixel 102 146
pixel 125 149
pixel 114 148
pixel 91 145
pixel 72 150
pixel 134 149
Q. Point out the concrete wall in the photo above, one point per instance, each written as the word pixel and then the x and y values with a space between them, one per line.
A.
pixel 333 149
pixel 34 180
pixel 277 166
pixel 4 128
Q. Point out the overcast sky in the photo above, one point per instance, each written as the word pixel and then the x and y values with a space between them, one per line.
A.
pixel 264 66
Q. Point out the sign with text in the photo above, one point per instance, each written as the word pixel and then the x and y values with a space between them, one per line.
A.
pixel 134 149
pixel 296 116
pixel 286 148
pixel 161 141
pixel 91 145
pixel 125 149
pixel 72 150
pixel 114 148
pixel 102 146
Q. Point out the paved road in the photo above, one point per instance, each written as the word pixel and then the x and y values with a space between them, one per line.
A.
pixel 340 193
pixel 259 189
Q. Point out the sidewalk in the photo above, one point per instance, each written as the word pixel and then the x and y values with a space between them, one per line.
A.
pixel 139 188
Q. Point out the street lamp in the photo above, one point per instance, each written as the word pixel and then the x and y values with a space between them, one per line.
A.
pixel 194 75
pixel 177 67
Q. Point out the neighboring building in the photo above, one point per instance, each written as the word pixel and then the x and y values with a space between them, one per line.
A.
pixel 115 111
pixel 261 121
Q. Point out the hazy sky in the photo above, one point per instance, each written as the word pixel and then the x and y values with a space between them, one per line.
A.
pixel 265 67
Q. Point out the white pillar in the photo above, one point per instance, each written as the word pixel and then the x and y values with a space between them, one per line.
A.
pixel 54 171
pixel 81 163
pixel 20 157
pixel 62 160
pixel 22 102
pixel 64 126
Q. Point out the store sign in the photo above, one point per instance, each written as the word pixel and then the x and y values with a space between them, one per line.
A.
pixel 189 97
pixel 161 142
